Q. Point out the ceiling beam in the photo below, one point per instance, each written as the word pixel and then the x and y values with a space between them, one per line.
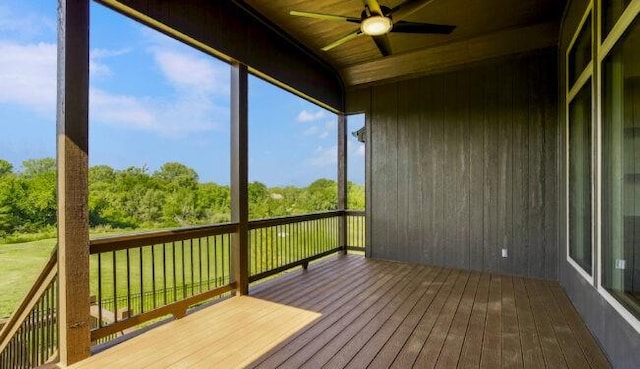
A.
pixel 445 57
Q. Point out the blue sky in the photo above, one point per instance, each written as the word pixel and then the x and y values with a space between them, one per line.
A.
pixel 155 100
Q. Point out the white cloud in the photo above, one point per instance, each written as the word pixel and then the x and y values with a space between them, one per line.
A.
pixel 307 116
pixel 97 67
pixel 99 53
pixel 28 75
pixel 174 118
pixel 189 72
pixel 321 132
pixel 25 25
pixel 324 156
pixel 311 131
pixel 121 110
pixel 28 78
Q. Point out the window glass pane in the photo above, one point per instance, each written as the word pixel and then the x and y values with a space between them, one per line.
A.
pixel 580 54
pixel 580 178
pixel 621 171
pixel 611 12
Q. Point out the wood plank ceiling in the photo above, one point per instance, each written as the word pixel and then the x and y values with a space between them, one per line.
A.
pixel 478 22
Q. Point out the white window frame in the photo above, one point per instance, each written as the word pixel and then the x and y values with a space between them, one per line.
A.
pixel 603 49
pixel 586 76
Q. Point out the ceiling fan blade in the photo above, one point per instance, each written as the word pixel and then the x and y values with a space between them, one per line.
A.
pixel 330 17
pixel 407 8
pixel 383 44
pixel 344 39
pixel 373 6
pixel 412 27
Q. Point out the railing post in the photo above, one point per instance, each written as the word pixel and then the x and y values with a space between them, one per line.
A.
pixel 72 158
pixel 342 180
pixel 240 176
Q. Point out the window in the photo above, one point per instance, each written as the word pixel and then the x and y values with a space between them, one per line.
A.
pixel 621 171
pixel 611 12
pixel 580 249
pixel 580 54
pixel 580 143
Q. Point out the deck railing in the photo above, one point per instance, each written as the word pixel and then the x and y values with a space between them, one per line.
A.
pixel 355 230
pixel 278 244
pixel 138 278
pixel 30 337
pixel 141 277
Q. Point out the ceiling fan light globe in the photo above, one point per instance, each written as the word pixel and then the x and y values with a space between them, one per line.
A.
pixel 376 25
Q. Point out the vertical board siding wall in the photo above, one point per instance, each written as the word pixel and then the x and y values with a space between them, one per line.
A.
pixel 464 164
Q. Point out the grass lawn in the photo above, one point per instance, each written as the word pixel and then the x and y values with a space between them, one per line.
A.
pixel 20 265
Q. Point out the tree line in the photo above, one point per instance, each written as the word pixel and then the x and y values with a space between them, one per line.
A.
pixel 135 198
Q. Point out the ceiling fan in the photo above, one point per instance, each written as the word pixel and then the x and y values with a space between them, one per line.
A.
pixel 378 21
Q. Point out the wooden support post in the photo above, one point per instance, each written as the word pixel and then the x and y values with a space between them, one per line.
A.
pixel 240 176
pixel 342 179
pixel 73 188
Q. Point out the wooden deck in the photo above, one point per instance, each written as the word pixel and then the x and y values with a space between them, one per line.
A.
pixel 351 312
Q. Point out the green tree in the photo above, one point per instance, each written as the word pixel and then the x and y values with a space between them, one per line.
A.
pixel 355 196
pixel 321 194
pixel 11 194
pixel 214 203
pixel 39 202
pixel 177 175
pixel 5 168
pixel 34 167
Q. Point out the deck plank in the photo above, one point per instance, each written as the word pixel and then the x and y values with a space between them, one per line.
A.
pixel 551 350
pixel 324 346
pixel 531 349
pixel 411 349
pixel 492 343
pixel 472 346
pixel 511 347
pixel 572 352
pixel 452 348
pixel 593 353
pixel 431 349
pixel 351 312
pixel 374 335
pixel 385 344
pixel 349 308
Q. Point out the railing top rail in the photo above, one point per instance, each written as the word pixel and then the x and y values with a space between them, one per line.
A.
pixel 270 222
pixel 354 212
pixel 37 289
pixel 114 243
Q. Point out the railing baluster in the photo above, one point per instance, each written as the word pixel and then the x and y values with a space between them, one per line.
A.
pixel 191 282
pixel 208 264
pixel 115 301
pixel 141 252
pixel 153 274
pixel 200 264
pixel 215 259
pixel 115 289
pixel 174 268
pixel 164 272
pixel 99 301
